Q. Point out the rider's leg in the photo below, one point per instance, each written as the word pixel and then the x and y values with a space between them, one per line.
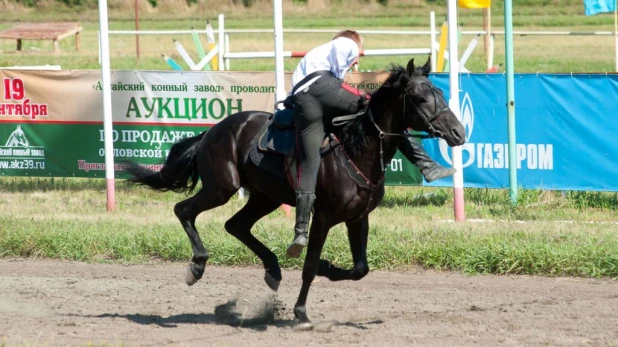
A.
pixel 327 96
pixel 429 168
pixel 347 100
pixel 310 130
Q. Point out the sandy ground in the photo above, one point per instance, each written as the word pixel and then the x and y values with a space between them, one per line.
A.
pixel 58 303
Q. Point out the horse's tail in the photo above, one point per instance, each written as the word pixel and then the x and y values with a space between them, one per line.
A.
pixel 179 172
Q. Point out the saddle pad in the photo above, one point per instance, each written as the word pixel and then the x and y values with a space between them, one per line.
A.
pixel 266 160
pixel 278 141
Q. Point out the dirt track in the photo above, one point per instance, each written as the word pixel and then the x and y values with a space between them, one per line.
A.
pixel 57 303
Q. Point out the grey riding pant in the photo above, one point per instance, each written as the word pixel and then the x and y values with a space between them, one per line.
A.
pixel 314 107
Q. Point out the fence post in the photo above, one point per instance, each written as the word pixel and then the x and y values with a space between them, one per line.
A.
pixel 220 43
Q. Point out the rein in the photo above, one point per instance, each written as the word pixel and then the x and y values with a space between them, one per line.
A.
pixel 381 136
pixel 433 133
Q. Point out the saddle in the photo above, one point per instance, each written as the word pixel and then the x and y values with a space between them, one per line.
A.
pixel 274 149
pixel 280 135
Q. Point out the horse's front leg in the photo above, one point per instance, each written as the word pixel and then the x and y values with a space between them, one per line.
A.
pixel 358 232
pixel 317 237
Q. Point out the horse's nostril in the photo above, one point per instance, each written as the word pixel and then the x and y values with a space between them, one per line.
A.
pixel 456 134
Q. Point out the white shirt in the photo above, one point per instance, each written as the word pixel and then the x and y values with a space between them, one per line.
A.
pixel 335 56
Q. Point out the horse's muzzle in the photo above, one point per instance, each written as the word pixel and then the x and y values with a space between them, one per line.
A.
pixel 456 136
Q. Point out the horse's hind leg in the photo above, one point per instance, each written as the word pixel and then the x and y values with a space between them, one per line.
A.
pixel 357 234
pixel 187 211
pixel 258 206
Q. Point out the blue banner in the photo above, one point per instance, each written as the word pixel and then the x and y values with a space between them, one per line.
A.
pixel 566 131
pixel 592 7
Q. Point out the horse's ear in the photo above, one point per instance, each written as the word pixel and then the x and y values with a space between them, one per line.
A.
pixel 410 67
pixel 427 67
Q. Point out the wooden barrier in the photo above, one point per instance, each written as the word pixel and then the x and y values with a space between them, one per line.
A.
pixel 43 31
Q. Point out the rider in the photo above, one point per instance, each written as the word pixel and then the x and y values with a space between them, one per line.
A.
pixel 319 95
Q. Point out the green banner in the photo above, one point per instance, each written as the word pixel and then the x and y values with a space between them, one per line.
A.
pixel 402 172
pixel 77 150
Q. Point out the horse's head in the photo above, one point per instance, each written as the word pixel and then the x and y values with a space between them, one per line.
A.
pixel 425 108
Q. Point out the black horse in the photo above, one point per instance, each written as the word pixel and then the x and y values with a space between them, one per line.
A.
pixel 220 157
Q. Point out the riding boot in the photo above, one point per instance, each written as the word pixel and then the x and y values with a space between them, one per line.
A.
pixel 304 204
pixel 429 168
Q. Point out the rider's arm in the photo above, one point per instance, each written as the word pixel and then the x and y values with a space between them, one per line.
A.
pixel 344 53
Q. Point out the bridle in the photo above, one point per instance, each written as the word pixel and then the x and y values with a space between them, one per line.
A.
pixel 426 119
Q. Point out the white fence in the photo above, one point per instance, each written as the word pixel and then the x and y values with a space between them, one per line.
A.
pixel 226 56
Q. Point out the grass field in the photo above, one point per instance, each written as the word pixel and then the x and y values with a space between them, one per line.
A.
pixel 546 234
pixel 547 54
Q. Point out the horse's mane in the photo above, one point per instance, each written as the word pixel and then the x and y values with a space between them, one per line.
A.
pixel 355 138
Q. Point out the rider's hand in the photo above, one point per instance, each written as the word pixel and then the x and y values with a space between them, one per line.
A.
pixel 364 100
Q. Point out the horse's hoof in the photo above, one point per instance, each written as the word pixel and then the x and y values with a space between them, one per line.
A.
pixel 271 281
pixel 189 277
pixel 300 312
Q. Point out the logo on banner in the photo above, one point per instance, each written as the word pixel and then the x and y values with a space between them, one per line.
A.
pixel 17 153
pixel 495 155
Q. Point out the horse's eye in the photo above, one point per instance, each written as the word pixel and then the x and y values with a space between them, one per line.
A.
pixel 420 99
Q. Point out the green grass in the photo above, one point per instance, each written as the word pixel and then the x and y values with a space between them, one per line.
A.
pixel 545 54
pixel 467 248
pixel 66 219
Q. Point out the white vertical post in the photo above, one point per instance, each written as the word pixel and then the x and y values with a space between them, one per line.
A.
pixel 454 106
pixel 432 35
pixel 279 68
pixel 279 73
pixel 487 29
pixel 107 106
pixel 227 50
pixel 221 44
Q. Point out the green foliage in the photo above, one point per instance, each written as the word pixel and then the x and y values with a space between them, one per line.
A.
pixel 585 200
pixel 30 3
pixel 512 251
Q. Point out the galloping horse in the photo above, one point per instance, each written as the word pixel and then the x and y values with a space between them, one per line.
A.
pixel 350 182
